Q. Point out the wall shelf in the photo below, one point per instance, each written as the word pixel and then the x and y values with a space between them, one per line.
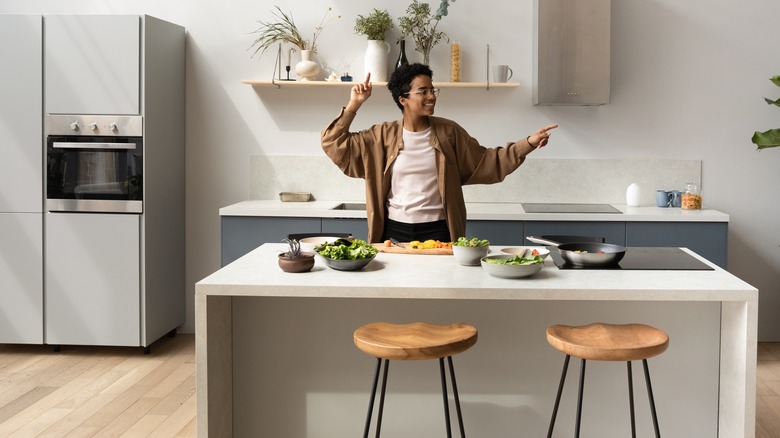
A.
pixel 280 84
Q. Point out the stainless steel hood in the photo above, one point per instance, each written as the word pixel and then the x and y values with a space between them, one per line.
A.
pixel 571 52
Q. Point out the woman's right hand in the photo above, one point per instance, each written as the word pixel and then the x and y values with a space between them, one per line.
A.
pixel 359 94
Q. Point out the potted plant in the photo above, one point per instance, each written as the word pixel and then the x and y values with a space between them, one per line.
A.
pixel 770 138
pixel 295 260
pixel 421 25
pixel 284 30
pixel 374 27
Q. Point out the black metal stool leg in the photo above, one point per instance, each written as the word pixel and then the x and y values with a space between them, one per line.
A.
pixel 652 399
pixel 372 397
pixel 444 396
pixel 558 397
pixel 631 398
pixel 382 399
pixel 457 398
pixel 579 399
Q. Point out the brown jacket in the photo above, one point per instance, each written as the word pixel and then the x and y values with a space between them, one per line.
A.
pixel 460 160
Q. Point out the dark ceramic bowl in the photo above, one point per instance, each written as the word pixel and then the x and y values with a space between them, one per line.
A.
pixel 304 263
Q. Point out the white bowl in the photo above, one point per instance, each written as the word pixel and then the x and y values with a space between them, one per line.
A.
pixel 543 252
pixel 469 255
pixel 509 271
pixel 308 243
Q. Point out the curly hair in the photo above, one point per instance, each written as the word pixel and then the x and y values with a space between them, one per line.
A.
pixel 401 80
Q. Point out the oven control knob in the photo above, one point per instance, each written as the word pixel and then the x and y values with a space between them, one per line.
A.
pixel 113 127
pixel 74 126
pixel 94 126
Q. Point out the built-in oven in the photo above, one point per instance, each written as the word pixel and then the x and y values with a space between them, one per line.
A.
pixel 94 163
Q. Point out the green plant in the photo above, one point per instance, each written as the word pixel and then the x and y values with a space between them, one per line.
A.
pixel 294 250
pixel 421 25
pixel 770 138
pixel 374 25
pixel 284 30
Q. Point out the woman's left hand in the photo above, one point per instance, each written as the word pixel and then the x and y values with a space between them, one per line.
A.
pixel 540 138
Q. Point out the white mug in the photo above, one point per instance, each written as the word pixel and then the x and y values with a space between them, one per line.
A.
pixel 502 73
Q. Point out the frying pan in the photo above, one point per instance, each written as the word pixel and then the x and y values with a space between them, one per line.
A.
pixel 585 254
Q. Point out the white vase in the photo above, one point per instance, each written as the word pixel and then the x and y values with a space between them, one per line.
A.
pixel 307 69
pixel 375 61
pixel 633 195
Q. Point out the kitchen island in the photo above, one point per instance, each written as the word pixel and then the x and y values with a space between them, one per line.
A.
pixel 275 355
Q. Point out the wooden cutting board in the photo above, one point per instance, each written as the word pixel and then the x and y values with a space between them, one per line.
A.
pixel 404 249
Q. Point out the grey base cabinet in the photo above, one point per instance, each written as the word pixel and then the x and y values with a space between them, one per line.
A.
pixel 708 239
pixel 242 234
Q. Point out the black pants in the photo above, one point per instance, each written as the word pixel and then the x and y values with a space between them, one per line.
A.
pixel 404 232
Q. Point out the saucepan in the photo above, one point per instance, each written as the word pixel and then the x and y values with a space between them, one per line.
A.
pixel 585 254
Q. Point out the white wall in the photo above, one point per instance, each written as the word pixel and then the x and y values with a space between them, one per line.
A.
pixel 687 82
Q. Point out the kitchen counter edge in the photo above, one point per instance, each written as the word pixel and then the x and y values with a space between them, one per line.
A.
pixel 477 211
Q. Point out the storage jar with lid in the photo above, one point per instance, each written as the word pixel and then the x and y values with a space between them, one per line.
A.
pixel 691 197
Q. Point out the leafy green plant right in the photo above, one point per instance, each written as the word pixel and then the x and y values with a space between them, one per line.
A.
pixel 770 138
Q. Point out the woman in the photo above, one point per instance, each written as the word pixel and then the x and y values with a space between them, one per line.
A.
pixel 415 168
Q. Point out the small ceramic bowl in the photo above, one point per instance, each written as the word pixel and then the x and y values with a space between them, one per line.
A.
pixel 509 271
pixel 469 255
pixel 304 263
pixel 515 250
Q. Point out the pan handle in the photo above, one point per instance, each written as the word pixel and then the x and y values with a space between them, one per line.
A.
pixel 542 241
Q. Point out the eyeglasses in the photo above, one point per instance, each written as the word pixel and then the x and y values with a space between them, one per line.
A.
pixel 425 92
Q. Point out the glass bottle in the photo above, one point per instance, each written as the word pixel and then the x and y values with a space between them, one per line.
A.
pixel 455 62
pixel 691 197
pixel 402 55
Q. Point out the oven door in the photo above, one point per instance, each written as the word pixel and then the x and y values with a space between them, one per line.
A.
pixel 94 173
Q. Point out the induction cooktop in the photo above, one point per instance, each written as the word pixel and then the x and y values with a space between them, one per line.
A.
pixel 645 258
pixel 544 207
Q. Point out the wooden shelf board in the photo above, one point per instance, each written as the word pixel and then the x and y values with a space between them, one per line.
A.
pixel 258 83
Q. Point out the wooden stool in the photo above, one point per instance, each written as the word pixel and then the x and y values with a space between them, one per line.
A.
pixel 607 342
pixel 417 341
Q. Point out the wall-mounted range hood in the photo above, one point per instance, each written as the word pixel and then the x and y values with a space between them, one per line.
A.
pixel 571 52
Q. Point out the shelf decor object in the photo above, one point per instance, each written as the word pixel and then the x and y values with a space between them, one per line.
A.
pixel 306 69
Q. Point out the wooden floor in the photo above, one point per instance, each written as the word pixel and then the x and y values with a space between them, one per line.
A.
pixel 114 392
pixel 768 391
pixel 98 391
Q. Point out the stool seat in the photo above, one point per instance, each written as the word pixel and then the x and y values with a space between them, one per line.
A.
pixel 415 341
pixel 608 342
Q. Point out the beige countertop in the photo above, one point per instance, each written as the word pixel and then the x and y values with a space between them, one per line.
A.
pixel 478 211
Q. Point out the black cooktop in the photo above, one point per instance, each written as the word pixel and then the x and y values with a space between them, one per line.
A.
pixel 645 258
pixel 531 207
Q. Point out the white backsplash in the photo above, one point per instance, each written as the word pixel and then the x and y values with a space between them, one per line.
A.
pixel 537 180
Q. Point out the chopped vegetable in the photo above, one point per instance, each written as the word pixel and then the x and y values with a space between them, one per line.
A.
pixel 462 241
pixel 429 244
pixel 346 249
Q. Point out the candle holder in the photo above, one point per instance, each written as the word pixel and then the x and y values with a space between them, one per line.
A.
pixel 278 64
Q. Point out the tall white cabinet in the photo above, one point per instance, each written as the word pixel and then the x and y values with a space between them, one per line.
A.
pixel 21 180
pixel 91 278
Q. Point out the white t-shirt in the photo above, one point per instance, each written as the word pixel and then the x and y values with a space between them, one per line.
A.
pixel 414 191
